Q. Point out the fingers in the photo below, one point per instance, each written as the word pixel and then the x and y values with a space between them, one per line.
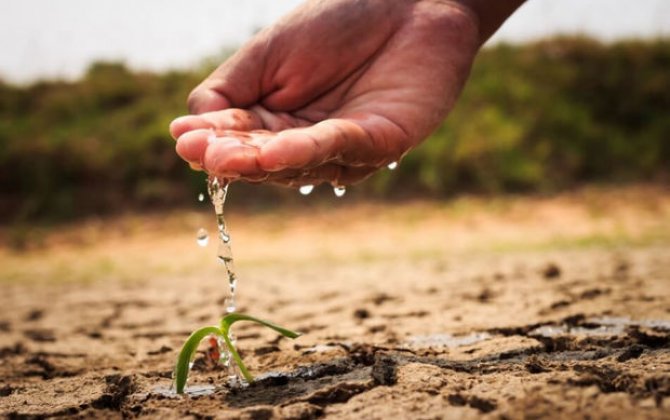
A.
pixel 227 119
pixel 229 144
pixel 319 151
pixel 191 146
pixel 255 118
pixel 337 140
pixel 236 155
pixel 230 154
pixel 230 158
pixel 334 140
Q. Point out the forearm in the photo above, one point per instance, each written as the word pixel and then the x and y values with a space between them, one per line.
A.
pixel 491 14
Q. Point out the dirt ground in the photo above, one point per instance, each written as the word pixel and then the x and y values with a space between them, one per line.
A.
pixel 514 307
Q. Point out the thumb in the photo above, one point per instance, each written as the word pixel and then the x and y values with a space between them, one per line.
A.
pixel 234 84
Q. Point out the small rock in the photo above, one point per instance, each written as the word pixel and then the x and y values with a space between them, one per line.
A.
pixel 361 313
pixel 551 271
pixel 384 370
pixel 34 315
pixel 163 349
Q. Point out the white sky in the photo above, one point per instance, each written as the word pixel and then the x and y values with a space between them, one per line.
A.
pixel 60 38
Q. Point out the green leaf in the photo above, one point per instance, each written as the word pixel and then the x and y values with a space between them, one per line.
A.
pixel 184 359
pixel 191 345
pixel 228 320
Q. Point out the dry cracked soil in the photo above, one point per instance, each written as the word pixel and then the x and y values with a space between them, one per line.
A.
pixel 554 307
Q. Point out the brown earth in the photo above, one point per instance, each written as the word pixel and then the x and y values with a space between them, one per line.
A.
pixel 526 307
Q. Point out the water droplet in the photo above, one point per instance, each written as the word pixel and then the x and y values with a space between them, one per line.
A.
pixel 201 197
pixel 224 354
pixel 230 304
pixel 339 191
pixel 202 237
pixel 306 189
pixel 392 165
pixel 211 138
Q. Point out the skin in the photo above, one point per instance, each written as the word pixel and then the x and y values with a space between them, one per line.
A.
pixel 335 90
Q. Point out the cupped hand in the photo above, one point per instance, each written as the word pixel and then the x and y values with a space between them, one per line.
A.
pixel 332 92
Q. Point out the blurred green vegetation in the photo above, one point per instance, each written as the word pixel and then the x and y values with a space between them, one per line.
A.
pixel 539 117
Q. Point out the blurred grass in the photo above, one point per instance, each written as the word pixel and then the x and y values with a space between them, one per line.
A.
pixel 136 248
pixel 540 117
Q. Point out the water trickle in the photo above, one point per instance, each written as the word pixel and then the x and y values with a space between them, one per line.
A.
pixel 224 355
pixel 218 190
pixel 339 191
pixel 306 189
pixel 217 193
pixel 202 237
pixel 191 391
pixel 392 165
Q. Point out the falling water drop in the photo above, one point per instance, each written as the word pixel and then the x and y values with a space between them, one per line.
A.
pixel 201 197
pixel 339 191
pixel 202 237
pixel 392 165
pixel 224 355
pixel 231 305
pixel 306 189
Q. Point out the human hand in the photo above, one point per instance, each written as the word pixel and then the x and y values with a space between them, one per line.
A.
pixel 332 92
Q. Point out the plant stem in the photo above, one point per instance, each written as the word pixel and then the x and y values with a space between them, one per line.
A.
pixel 184 359
pixel 228 320
pixel 236 357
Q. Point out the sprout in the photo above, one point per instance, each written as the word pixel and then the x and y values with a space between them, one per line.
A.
pixel 190 346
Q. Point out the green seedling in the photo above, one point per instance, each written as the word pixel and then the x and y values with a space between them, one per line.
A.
pixel 191 345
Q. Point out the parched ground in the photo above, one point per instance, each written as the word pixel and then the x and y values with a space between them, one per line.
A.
pixel 555 307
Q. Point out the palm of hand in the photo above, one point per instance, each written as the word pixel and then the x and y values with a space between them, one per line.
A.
pixel 313 99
